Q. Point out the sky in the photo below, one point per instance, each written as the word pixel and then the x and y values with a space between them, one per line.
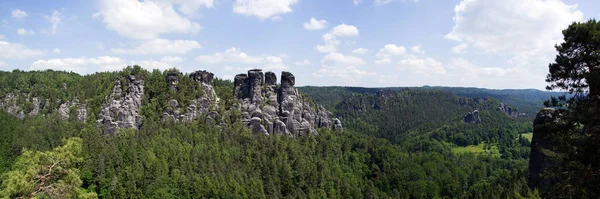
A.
pixel 368 43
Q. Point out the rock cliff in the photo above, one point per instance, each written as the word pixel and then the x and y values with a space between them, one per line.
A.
pixel 472 117
pixel 202 106
pixel 9 104
pixel 268 108
pixel 122 109
pixel 538 161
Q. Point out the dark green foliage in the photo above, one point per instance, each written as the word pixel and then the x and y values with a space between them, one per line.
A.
pixel 574 153
pixel 194 160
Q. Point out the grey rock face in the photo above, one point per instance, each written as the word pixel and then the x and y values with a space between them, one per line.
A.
pixel 507 110
pixel 36 107
pixel 9 104
pixel 281 109
pixel 173 79
pixel 270 79
pixel 538 161
pixel 472 117
pixel 122 109
pixel 199 106
pixel 63 111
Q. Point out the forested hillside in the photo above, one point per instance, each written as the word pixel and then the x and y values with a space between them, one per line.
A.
pixel 400 147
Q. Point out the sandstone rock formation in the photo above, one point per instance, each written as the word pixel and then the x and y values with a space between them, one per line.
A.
pixel 9 104
pixel 271 109
pixel 80 110
pixel 472 117
pixel 203 105
pixel 507 110
pixel 541 139
pixel 121 110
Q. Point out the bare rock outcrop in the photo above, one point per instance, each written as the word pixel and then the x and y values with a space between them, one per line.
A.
pixel 198 107
pixel 271 109
pixel 472 117
pixel 64 110
pixel 538 161
pixel 509 111
pixel 122 109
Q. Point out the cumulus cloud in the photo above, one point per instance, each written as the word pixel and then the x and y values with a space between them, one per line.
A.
pixel 342 66
pixel 314 24
pixel 427 66
pixel 417 50
pixel 145 19
pixel 80 65
pixel 390 50
pixel 18 14
pixel 302 63
pixel 460 49
pixel 189 7
pixel 326 48
pixel 237 56
pixel 22 31
pixel 171 59
pixel 331 38
pixel 263 9
pixel 160 46
pixel 54 20
pixel 524 30
pixel 17 51
pixel 344 30
pixel 56 50
pixel 360 51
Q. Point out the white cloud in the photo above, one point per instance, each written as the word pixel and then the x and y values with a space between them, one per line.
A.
pixel 171 59
pixel 417 50
pixel 340 59
pixel 263 9
pixel 144 19
pixel 325 48
pixel 237 56
pixel 344 30
pixel 360 51
pixel 2 36
pixel 356 2
pixel 509 30
pixel 161 46
pixel 427 66
pixel 276 18
pixel 390 50
pixel 54 21
pixel 22 31
pixel 17 51
pixel 314 24
pixel 460 49
pixel 342 66
pixel 2 63
pixel 330 38
pixel 80 65
pixel 56 50
pixel 523 30
pixel 383 61
pixel 303 63
pixel 189 7
pixel 18 14
pixel 382 2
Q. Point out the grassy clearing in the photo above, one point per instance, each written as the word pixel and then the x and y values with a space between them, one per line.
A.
pixel 527 136
pixel 479 149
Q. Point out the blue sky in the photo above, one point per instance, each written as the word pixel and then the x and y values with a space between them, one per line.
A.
pixel 372 43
